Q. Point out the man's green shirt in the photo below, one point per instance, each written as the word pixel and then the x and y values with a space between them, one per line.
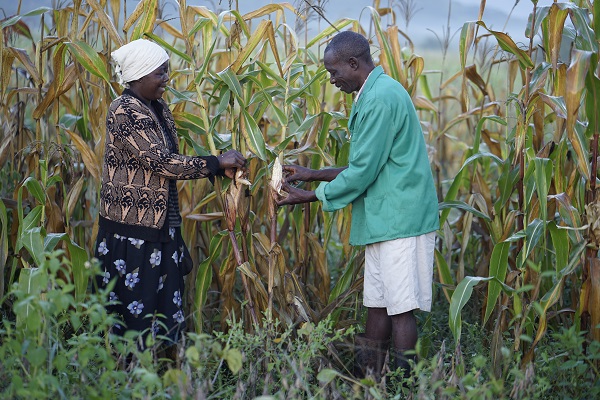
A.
pixel 388 180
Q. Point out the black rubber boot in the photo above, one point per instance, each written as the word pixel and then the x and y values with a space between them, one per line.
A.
pixel 369 356
pixel 400 359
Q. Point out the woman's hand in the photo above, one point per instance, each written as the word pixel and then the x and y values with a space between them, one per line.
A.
pixel 231 159
pixel 230 172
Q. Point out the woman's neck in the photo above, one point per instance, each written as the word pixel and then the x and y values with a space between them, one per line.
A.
pixel 140 97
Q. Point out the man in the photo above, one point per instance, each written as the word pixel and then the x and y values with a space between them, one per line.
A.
pixel 394 206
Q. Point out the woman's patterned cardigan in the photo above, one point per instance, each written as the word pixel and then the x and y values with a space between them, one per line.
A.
pixel 138 164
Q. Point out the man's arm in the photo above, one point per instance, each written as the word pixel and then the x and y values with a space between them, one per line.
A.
pixel 298 173
pixel 372 141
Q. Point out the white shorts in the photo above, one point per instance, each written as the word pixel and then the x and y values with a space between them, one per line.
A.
pixel 399 274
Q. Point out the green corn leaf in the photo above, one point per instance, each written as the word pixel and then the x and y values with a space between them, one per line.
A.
pixel 13 20
pixel 498 268
pixel 455 186
pixel 190 121
pixel 509 175
pixel 231 80
pixel 204 278
pixel 3 245
pixel 52 239
pixel 306 124
pixel 561 244
pixel 586 37
pixel 253 135
pixel 556 103
pixel 330 30
pixel 267 95
pixel 386 48
pixel 507 44
pixel 167 46
pixel 78 257
pixel 549 299
pixel 482 121
pixel 207 60
pixel 89 59
pixel 576 76
pixel 533 233
pixel 279 114
pixel 283 145
pixel 344 282
pixel 31 221
pixel 182 97
pixel 200 24
pixel 319 74
pixel 467 35
pixel 444 274
pixel 553 32
pixel 272 74
pixel 54 179
pixel 32 281
pixel 36 190
pixel 540 17
pixel 538 78
pixel 462 206
pixel 461 295
pixel 225 97
pixel 592 98
pixel 543 179
pixel 424 85
pixel 147 20
pixel 201 151
pixel 33 241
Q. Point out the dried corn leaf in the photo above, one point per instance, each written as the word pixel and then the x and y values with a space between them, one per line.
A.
pixel 23 57
pixel 105 22
pixel 87 154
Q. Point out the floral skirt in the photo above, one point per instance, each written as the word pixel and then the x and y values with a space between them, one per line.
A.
pixel 148 276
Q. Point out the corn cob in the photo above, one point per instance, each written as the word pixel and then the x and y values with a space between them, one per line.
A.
pixel 277 176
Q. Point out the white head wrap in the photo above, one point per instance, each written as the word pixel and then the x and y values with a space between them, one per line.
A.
pixel 137 59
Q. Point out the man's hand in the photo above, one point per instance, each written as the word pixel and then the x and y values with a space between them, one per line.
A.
pixel 294 195
pixel 298 173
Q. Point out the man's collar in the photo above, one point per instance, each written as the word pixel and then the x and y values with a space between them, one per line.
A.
pixel 375 72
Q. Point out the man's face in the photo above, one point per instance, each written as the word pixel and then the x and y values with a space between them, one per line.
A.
pixel 342 73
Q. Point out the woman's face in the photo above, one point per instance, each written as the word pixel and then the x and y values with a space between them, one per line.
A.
pixel 152 86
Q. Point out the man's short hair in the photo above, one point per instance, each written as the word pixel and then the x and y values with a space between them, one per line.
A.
pixel 350 44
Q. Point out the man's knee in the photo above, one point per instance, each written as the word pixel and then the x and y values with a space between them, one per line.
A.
pixel 377 311
pixel 408 315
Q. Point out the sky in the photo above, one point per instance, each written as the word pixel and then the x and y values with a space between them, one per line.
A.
pixel 430 16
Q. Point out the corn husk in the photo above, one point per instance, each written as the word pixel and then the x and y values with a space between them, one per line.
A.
pixel 233 197
pixel 277 176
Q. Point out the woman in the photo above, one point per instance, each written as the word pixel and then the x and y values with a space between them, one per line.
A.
pixel 139 240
